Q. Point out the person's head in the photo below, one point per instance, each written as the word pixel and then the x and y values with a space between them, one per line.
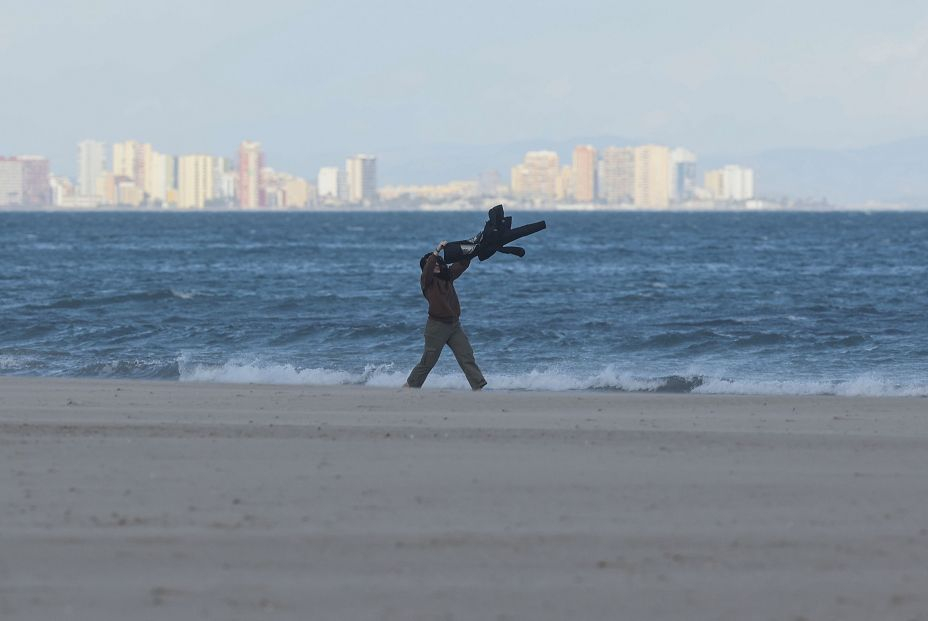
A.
pixel 439 263
pixel 440 268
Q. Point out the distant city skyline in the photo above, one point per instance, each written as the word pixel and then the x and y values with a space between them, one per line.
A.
pixel 138 175
pixel 886 175
pixel 318 80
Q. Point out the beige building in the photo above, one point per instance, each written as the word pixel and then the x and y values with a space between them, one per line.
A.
pixel 537 176
pixel 127 193
pixel 124 157
pixel 160 177
pixel 133 160
pixel 617 175
pixel 584 169
pixel 298 193
pixel 652 176
pixel 106 188
pixel 565 184
pixel 194 181
pixel 285 191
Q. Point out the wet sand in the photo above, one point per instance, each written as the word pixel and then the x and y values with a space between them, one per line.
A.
pixel 147 500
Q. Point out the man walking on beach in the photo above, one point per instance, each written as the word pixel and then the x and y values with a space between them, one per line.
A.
pixel 444 325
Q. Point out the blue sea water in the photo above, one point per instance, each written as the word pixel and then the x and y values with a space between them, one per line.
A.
pixel 794 303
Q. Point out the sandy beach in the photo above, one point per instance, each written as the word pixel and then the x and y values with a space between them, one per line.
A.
pixel 157 500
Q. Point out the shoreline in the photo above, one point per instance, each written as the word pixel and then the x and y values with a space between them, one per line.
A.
pixel 864 387
pixel 141 498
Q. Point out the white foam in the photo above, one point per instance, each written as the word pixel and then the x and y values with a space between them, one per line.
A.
pixel 862 386
pixel 183 295
pixel 246 371
pixel 256 371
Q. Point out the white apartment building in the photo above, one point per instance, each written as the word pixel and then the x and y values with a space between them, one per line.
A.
pixel 732 182
pixel 91 164
pixel 330 184
pixel 361 177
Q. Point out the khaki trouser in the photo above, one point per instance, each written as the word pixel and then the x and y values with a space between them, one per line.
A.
pixel 437 334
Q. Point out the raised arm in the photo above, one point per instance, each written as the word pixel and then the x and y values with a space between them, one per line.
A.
pixel 458 268
pixel 428 270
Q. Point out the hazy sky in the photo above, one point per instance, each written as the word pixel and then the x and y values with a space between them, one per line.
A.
pixel 315 81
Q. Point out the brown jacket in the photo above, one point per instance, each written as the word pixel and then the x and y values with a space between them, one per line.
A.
pixel 443 299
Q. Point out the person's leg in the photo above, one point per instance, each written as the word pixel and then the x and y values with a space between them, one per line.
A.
pixel 464 354
pixel 436 335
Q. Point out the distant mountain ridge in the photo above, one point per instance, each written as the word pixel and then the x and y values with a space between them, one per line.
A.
pixel 895 172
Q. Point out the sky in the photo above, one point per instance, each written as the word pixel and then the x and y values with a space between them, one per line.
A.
pixel 317 81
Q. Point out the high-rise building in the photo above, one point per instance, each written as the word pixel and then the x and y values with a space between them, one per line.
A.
pixel 143 165
pixel 617 175
pixel 361 176
pixel 132 159
pixel 11 181
pixel 161 177
pixel 331 184
pixel 682 174
pixel 250 163
pixel 124 157
pixel 36 173
pixel 224 179
pixel 537 176
pixel 584 174
pixel 731 182
pixel 652 176
pixel 194 181
pixel 24 180
pixel 91 163
pixel 564 190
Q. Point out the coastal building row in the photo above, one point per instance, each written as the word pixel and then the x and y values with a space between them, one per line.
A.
pixel 135 174
pixel 648 176
pixel 355 184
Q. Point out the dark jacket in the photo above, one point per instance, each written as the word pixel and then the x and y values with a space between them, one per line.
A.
pixel 443 299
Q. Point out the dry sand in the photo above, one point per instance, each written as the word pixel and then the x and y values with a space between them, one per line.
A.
pixel 141 500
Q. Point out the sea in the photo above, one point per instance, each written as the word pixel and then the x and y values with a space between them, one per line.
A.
pixel 748 303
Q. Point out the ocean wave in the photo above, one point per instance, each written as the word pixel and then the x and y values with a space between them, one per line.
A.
pixel 134 368
pixel 71 302
pixel 608 379
pixel 10 363
pixel 862 386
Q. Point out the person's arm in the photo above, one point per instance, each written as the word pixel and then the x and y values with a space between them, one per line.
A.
pixel 428 270
pixel 458 268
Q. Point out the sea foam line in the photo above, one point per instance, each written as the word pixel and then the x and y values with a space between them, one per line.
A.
pixel 242 371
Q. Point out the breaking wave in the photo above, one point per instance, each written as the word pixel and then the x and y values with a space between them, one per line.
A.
pixel 608 379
